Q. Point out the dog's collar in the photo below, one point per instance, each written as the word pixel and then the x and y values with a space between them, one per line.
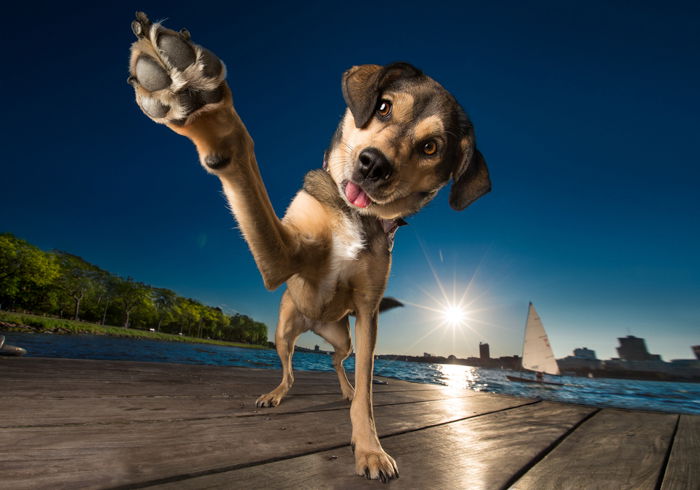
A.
pixel 390 226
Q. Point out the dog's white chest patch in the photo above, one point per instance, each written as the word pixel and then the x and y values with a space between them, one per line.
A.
pixel 347 243
pixel 348 240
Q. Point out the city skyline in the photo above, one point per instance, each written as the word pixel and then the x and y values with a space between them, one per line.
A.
pixel 587 118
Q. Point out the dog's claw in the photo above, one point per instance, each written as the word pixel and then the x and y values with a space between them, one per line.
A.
pixel 141 25
pixel 136 28
pixel 375 465
pixel 143 18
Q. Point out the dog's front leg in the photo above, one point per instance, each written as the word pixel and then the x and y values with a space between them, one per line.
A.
pixel 370 459
pixel 181 85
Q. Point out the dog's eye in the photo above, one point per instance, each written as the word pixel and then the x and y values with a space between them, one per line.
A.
pixel 430 147
pixel 384 108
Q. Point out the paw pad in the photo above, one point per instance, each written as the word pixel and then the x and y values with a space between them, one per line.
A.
pixel 174 79
pixel 150 74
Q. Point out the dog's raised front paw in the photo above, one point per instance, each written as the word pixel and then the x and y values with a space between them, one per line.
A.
pixel 174 79
pixel 375 465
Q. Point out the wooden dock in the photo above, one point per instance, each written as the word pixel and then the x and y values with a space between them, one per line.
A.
pixel 103 424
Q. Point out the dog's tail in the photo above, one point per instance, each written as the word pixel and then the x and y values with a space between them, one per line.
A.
pixel 388 303
pixel 385 304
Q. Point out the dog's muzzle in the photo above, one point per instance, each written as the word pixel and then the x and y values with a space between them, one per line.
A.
pixel 371 172
pixel 372 167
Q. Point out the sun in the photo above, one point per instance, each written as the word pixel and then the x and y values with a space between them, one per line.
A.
pixel 454 315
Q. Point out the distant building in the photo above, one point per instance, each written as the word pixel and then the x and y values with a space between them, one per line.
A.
pixel 317 348
pixel 585 353
pixel 484 351
pixel 635 349
pixel 583 359
pixel 509 362
pixel 427 354
pixel 696 351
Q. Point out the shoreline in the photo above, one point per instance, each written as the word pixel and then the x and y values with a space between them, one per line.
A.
pixel 30 323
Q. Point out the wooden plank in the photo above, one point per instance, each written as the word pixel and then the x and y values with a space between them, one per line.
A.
pixel 18 412
pixel 39 377
pixel 482 452
pixel 614 449
pixel 56 392
pixel 96 455
pixel 683 468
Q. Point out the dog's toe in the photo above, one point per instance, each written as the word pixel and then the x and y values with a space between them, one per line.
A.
pixel 141 25
pixel 271 399
pixel 176 50
pixel 376 465
pixel 151 75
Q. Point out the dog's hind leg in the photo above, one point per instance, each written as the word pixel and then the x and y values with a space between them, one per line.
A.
pixel 338 335
pixel 290 325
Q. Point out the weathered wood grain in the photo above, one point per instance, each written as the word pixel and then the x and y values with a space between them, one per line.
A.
pixel 99 452
pixel 614 449
pixel 120 410
pixel 96 424
pixel 58 376
pixel 482 452
pixel 683 469
pixel 119 393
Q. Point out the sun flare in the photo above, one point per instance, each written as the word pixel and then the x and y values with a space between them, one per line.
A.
pixel 454 315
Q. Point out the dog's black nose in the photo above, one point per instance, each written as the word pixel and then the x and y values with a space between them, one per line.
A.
pixel 373 165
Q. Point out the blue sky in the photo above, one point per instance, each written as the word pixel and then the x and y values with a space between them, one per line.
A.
pixel 587 114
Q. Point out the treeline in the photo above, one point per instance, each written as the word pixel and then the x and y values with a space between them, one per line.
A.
pixel 64 285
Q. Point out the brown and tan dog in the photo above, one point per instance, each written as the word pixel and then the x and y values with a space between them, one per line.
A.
pixel 402 138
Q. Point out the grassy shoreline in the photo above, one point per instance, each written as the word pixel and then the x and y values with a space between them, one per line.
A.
pixel 28 323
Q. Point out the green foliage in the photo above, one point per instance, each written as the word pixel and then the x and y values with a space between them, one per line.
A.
pixel 16 322
pixel 61 284
pixel 23 267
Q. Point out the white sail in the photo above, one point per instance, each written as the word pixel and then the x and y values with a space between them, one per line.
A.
pixel 537 353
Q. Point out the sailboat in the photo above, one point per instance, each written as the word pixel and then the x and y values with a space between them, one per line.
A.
pixel 537 353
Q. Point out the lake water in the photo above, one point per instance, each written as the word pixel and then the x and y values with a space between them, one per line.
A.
pixel 633 394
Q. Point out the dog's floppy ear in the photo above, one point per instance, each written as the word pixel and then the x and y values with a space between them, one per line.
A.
pixel 471 177
pixel 363 84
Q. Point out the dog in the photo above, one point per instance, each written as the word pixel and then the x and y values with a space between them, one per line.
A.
pixel 402 138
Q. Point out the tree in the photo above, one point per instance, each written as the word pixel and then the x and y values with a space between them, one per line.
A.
pixel 190 314
pixel 106 286
pixel 59 281
pixel 164 301
pixel 23 267
pixel 131 294
pixel 77 278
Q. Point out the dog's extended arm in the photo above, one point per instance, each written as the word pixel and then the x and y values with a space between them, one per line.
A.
pixel 182 85
pixel 226 149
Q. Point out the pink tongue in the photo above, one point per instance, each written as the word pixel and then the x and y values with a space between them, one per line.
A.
pixel 356 195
